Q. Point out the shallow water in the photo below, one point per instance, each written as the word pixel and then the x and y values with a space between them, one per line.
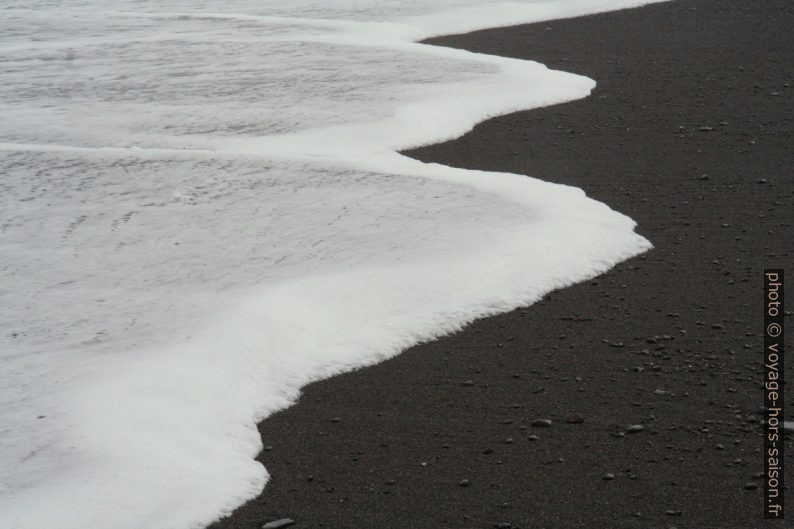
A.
pixel 202 210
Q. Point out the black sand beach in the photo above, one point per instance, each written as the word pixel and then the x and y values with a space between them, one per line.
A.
pixel 691 133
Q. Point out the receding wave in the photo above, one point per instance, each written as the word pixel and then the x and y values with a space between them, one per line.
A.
pixel 203 209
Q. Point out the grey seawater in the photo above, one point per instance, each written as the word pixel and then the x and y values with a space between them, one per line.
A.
pixel 201 211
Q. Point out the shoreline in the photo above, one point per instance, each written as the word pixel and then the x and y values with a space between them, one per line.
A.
pixel 442 435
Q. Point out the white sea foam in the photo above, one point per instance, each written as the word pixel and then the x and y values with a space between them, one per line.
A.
pixel 202 210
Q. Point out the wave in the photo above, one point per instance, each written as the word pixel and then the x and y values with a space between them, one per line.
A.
pixel 204 209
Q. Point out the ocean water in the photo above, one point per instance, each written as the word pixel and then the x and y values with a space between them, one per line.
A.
pixel 202 209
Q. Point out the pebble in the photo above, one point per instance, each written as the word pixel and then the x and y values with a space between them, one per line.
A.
pixel 574 418
pixel 504 526
pixel 464 483
pixel 634 428
pixel 541 422
pixel 278 524
pixel 609 476
pixel 750 486
pixel 533 438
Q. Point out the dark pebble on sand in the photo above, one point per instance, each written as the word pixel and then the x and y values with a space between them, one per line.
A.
pixel 464 483
pixel 541 422
pixel 634 428
pixel 609 476
pixel 574 418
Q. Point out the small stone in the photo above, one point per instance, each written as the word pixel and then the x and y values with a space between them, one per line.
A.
pixel 750 486
pixel 574 418
pixel 504 526
pixel 533 438
pixel 278 524
pixel 634 428
pixel 672 512
pixel 541 422
pixel 464 483
pixel 508 441
pixel 609 476
pixel 467 383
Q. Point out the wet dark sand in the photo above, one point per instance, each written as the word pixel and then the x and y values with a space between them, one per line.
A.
pixel 691 133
